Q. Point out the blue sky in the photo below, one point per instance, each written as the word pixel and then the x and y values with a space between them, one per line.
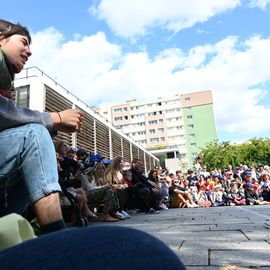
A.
pixel 109 51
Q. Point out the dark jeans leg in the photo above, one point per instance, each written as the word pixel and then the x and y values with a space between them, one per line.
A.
pixel 156 198
pixel 143 198
pixel 88 248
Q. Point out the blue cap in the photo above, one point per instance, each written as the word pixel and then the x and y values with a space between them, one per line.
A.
pixel 106 161
pixel 215 175
pixel 264 185
pixel 96 157
pixel 220 176
pixel 249 184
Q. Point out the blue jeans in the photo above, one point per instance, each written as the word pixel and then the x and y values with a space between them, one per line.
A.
pixel 28 168
pixel 95 248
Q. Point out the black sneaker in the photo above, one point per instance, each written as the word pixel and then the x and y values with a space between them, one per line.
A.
pixel 152 211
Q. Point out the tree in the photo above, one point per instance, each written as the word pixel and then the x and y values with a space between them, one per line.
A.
pixel 219 155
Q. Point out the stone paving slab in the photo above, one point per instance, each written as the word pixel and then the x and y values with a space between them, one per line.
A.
pixel 193 257
pixel 190 227
pixel 228 245
pixel 244 253
pixel 204 236
pixel 226 238
pixel 246 258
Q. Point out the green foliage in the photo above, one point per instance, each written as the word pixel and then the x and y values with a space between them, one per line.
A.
pixel 219 155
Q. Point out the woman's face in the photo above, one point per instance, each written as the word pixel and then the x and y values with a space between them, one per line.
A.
pixel 16 47
pixel 64 149
pixel 99 170
pixel 122 164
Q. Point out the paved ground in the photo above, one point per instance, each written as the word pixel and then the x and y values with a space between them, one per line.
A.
pixel 212 238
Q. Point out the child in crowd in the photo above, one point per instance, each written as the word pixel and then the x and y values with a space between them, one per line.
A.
pixel 235 196
pixel 265 194
pixel 200 197
pixel 252 198
pixel 218 196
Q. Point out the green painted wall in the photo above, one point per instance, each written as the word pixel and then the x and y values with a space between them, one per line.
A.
pixel 204 129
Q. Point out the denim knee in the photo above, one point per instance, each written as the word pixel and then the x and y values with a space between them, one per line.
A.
pixel 30 149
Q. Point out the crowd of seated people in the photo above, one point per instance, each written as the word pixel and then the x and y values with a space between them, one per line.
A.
pixel 229 187
pixel 110 190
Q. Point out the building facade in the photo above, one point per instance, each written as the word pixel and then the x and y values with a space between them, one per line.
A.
pixel 37 91
pixel 174 129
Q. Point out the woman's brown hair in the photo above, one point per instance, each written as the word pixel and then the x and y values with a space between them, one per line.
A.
pixel 8 29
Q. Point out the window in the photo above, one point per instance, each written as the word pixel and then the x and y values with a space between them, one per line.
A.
pixel 153 122
pixel 126 117
pixel 152 131
pixel 134 116
pixel 118 110
pixel 160 121
pixel 154 140
pixel 174 119
pixel 162 139
pixel 194 154
pixel 192 135
pixel 189 117
pixel 191 126
pixel 22 96
pixel 161 130
pixel 177 137
pixel 193 144
pixel 187 99
pixel 141 141
pixel 118 118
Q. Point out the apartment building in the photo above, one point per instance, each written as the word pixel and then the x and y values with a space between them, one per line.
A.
pixel 38 91
pixel 173 129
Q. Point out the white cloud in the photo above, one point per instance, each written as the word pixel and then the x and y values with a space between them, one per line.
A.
pixel 135 18
pixel 78 64
pixel 98 72
pixel 259 3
